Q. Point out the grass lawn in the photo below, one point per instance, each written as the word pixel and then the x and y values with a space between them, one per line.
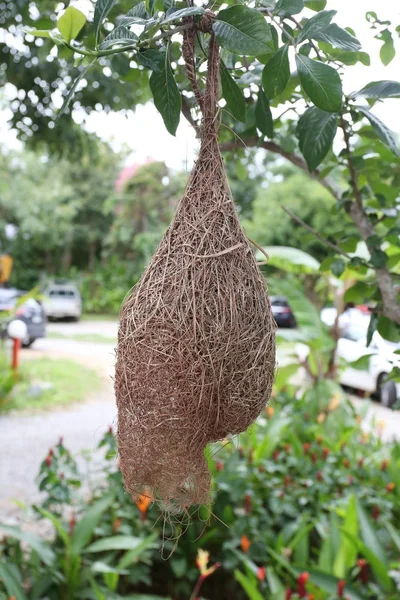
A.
pixel 83 337
pixel 71 381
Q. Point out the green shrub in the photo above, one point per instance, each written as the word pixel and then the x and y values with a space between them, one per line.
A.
pixel 306 490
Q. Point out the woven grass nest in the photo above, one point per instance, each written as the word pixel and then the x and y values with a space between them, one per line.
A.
pixel 196 341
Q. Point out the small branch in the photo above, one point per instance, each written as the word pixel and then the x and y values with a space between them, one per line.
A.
pixel 188 115
pixel 315 233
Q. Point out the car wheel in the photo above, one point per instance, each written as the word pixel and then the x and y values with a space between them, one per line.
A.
pixel 386 391
pixel 28 342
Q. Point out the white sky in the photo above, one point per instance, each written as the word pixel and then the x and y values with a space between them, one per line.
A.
pixel 144 133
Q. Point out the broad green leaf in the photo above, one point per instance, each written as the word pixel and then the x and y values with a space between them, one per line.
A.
pixel 249 587
pixel 286 8
pixel 167 98
pixel 346 557
pixel 315 5
pixel 57 524
pixel 316 130
pixel 369 534
pixel 84 529
pixel 34 541
pixel 44 33
pixel 137 12
pixel 379 89
pixel 338 267
pixel 388 329
pixel 291 260
pixel 357 293
pixel 263 114
pixel 316 24
pixel 273 434
pixel 384 133
pixel 120 36
pixel 387 52
pixel 329 583
pixel 151 59
pixel 101 10
pixel 71 92
pixel 361 363
pixel 102 567
pixel 70 23
pixel 116 542
pixel 183 12
pixel 320 82
pixel 325 558
pixel 373 323
pixel 394 533
pixel 244 31
pixel 12 585
pixel 275 584
pixel 233 95
pixel 379 567
pixel 276 73
pixel 134 554
pixel 338 37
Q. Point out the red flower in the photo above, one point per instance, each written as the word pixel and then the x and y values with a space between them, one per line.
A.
pixel 314 457
pixel 72 522
pixel 48 460
pixel 319 439
pixel 363 566
pixel 340 587
pixel 247 503
pixel 286 480
pixel 301 584
pixel 245 543
pixel 110 429
pixel 375 512
pixel 360 462
pixel 261 573
pixel 390 486
pixel 219 466
pixel 61 475
pixel 306 447
pixel 325 452
pixel 384 465
pixel 319 476
pixel 288 594
pixel 275 454
pixel 51 452
pixel 346 463
pixel 261 469
pixel 61 440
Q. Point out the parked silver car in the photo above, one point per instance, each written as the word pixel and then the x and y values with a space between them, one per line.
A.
pixel 62 300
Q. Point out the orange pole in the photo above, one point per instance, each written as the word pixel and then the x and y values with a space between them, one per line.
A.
pixel 15 355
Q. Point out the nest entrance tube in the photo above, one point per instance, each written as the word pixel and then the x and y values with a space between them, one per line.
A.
pixel 196 341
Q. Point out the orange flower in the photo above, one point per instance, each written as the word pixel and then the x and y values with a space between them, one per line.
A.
pixel 384 465
pixel 270 411
pixel 202 563
pixel 117 525
pixel 390 486
pixel 245 543
pixel 143 502
pixel 306 447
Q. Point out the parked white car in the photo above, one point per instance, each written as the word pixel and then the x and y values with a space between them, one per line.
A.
pixel 352 345
pixel 62 301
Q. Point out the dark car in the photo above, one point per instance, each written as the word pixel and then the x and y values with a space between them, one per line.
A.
pixel 282 312
pixel 30 311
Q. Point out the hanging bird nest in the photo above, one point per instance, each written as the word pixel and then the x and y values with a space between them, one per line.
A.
pixel 196 342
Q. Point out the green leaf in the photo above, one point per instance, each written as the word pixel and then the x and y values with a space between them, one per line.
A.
pixel 249 587
pixel 151 59
pixel 183 12
pixel 233 95
pixel 346 557
pixel 34 541
pixel 379 89
pixel 57 524
pixel 369 534
pixel 379 567
pixel 116 542
pixel 373 323
pixel 44 33
pixel 12 585
pixel 101 10
pixel 84 529
pixel 387 52
pixel 321 83
pixel 388 329
pixel 361 363
pixel 273 434
pixel 315 5
pixel 70 23
pixel 244 31
pixel 291 260
pixel 136 13
pixel 338 37
pixel 316 131
pixel 71 92
pixel 357 293
pixel 276 73
pixel 286 8
pixel 134 554
pixel 263 114
pixel 338 267
pixel 316 24
pixel 384 133
pixel 167 98
pixel 121 36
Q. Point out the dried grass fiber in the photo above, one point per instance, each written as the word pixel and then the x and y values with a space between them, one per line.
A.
pixel 196 342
